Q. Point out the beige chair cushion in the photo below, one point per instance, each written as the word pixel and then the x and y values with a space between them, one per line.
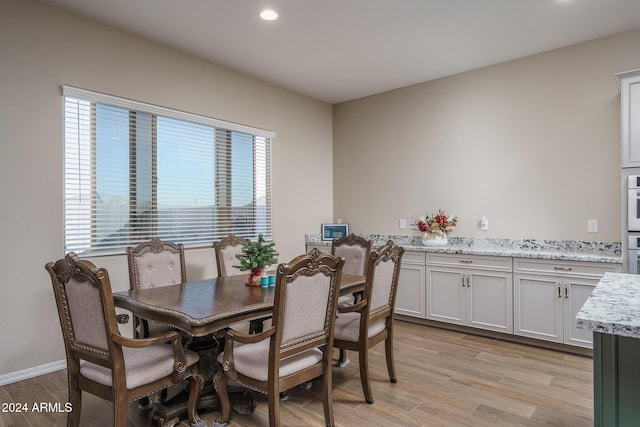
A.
pixel 142 365
pixel 382 281
pixel 158 269
pixel 348 327
pixel 300 317
pixel 345 300
pixel 88 319
pixel 230 260
pixel 252 360
pixel 355 260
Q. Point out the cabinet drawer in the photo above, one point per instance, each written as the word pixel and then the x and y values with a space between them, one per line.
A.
pixel 413 257
pixel 579 268
pixel 471 261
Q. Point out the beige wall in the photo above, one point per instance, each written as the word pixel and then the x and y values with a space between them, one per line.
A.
pixel 533 144
pixel 41 48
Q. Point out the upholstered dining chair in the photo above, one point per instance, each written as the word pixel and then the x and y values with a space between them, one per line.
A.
pixel 355 250
pixel 226 250
pixel 153 264
pixel 227 262
pixel 297 347
pixel 370 321
pixel 102 362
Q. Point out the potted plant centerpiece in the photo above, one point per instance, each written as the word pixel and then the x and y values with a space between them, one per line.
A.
pixel 255 257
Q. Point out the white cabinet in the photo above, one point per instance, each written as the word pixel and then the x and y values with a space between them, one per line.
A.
pixel 548 295
pixel 474 291
pixel 410 298
pixel 629 85
pixel 530 297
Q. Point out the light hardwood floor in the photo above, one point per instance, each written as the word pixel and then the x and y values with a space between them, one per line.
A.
pixel 445 378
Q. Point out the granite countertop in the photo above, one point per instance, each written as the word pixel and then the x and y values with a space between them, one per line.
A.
pixel 613 307
pixel 569 250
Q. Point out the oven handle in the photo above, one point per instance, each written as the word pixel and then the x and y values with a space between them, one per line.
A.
pixel 633 261
pixel 633 218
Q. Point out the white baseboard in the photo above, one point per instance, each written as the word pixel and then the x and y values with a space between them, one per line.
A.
pixel 24 374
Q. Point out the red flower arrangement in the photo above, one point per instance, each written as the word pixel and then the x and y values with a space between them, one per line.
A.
pixel 440 223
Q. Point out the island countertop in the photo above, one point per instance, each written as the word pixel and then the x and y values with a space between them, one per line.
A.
pixel 613 307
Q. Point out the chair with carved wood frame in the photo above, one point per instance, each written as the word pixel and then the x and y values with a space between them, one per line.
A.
pixel 102 362
pixel 153 264
pixel 298 346
pixel 355 250
pixel 227 250
pixel 370 321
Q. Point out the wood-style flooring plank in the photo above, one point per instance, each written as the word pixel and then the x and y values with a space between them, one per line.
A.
pixel 445 378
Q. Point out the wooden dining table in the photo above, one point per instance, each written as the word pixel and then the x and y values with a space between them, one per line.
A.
pixel 202 308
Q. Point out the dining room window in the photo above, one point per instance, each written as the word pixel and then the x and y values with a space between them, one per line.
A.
pixel 133 171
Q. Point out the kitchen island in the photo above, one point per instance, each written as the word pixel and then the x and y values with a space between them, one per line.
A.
pixel 612 312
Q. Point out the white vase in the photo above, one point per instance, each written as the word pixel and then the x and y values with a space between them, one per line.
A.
pixel 434 239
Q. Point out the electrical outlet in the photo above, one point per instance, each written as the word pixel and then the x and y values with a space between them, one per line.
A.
pixel 592 226
pixel 403 224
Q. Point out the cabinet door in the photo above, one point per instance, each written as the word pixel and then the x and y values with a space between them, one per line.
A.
pixel 489 298
pixel 410 299
pixel 538 303
pixel 576 292
pixel 445 295
pixel 630 103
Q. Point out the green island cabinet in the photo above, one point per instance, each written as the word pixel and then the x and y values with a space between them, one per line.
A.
pixel 612 313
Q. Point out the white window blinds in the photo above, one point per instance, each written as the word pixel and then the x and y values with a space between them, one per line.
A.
pixel 134 171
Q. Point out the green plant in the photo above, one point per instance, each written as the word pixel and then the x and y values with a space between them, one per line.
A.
pixel 257 255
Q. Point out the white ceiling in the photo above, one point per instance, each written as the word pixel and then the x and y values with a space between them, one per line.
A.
pixel 338 50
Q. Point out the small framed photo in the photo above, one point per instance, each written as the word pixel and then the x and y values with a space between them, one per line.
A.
pixel 334 231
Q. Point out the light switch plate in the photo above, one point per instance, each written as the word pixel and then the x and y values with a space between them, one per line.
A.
pixel 592 226
pixel 403 224
pixel 484 223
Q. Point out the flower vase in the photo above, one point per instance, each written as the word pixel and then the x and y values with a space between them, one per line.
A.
pixel 437 238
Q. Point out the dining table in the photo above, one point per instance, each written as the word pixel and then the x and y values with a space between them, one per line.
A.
pixel 201 309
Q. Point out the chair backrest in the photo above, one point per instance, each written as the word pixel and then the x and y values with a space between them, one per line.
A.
pixel 355 250
pixel 383 270
pixel 156 263
pixel 226 251
pixel 305 303
pixel 85 307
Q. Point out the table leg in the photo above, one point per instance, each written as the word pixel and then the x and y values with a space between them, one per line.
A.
pixel 168 413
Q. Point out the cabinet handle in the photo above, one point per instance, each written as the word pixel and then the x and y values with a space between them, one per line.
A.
pixel 566 291
pixel 559 290
pixel 466 261
pixel 562 268
pixel 468 280
pixel 465 280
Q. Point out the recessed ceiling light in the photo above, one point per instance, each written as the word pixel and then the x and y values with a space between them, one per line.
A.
pixel 269 15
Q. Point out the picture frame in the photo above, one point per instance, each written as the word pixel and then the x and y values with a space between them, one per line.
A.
pixel 334 231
